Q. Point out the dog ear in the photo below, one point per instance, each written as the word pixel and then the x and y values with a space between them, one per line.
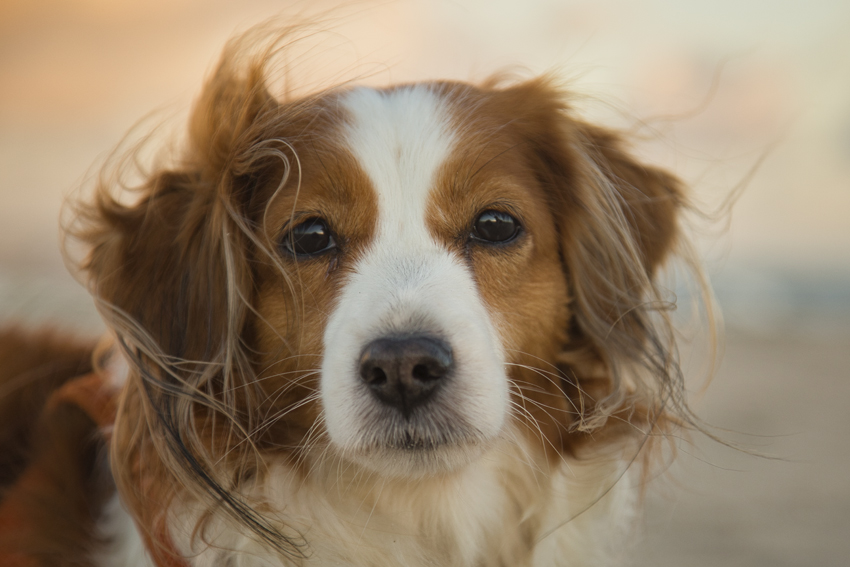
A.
pixel 174 262
pixel 171 273
pixel 160 270
pixel 649 198
pixel 618 221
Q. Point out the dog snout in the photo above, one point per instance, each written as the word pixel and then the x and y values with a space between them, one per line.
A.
pixel 403 372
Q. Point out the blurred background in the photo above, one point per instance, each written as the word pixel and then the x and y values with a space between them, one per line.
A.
pixel 728 93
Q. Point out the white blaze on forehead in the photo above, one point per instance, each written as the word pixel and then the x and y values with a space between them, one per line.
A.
pixel 400 139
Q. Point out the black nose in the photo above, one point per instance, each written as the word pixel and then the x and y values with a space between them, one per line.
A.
pixel 403 372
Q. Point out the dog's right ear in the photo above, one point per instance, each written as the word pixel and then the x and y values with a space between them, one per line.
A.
pixel 172 267
pixel 172 276
pixel 158 267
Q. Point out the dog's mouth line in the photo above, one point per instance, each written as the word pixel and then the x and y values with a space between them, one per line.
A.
pixel 424 440
pixel 410 441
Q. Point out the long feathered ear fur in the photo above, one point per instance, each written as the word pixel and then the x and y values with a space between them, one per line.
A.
pixel 621 223
pixel 172 275
pixel 618 221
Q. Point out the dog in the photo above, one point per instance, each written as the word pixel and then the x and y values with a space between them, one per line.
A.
pixel 417 325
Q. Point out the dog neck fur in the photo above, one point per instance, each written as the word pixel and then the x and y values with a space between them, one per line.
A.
pixel 493 513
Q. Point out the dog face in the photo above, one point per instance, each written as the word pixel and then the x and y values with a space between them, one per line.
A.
pixel 388 277
pixel 423 248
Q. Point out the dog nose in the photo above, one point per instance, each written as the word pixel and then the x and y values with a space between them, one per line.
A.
pixel 403 372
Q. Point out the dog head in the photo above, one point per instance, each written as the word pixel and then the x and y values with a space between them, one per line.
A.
pixel 391 277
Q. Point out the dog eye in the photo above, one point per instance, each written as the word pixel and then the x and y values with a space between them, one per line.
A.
pixel 495 226
pixel 309 238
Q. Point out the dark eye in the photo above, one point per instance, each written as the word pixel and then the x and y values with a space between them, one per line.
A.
pixel 309 238
pixel 495 226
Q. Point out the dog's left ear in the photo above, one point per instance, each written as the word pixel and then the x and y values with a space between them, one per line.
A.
pixel 650 198
pixel 177 260
pixel 617 220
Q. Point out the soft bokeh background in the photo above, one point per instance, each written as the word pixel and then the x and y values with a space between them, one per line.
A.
pixel 711 89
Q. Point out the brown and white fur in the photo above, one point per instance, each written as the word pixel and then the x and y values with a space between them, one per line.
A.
pixel 248 429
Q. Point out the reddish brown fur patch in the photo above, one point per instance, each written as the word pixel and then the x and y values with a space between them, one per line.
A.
pixel 32 366
pixel 53 504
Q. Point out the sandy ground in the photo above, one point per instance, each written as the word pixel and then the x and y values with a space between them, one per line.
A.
pixel 731 508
